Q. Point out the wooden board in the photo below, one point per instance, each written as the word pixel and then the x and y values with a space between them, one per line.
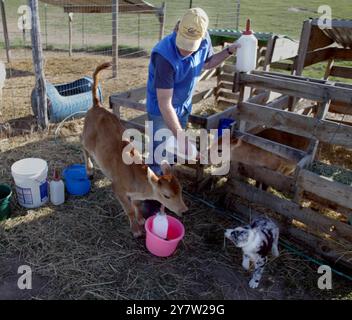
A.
pixel 226 77
pixel 284 48
pixel 279 103
pixel 302 125
pixel 207 74
pixel 291 210
pixel 199 120
pixel 318 56
pixel 325 188
pixel 269 177
pixel 343 54
pixel 271 146
pixel 228 95
pixel 127 103
pixel 315 246
pixel 202 95
pixel 225 85
pixel 303 47
pixel 342 108
pixel 213 120
pixel 282 66
pixel 343 72
pixel 133 94
pixel 297 87
pixel 260 98
pixel 335 23
pixel 328 204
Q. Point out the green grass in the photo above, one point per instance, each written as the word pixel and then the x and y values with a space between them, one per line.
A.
pixel 266 15
pixel 94 30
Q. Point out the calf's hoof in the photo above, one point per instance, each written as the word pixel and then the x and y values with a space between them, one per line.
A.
pixel 137 230
pixel 137 234
pixel 141 221
pixel 253 284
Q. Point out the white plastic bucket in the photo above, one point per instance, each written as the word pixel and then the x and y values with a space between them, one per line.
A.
pixel 30 176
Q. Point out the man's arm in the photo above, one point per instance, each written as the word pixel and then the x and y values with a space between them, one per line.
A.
pixel 164 84
pixel 171 119
pixel 219 57
pixel 167 111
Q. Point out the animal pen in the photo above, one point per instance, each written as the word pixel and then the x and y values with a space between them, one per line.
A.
pixel 276 108
pixel 74 29
pixel 296 107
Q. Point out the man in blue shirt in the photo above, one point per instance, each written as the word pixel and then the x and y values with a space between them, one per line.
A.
pixel 175 65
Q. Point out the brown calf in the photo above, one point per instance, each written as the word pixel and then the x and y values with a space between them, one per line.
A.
pixel 289 139
pixel 249 154
pixel 102 140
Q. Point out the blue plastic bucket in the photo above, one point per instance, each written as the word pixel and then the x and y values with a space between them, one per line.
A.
pixel 76 180
pixel 225 123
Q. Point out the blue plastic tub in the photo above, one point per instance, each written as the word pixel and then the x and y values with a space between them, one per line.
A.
pixel 71 99
pixel 225 123
pixel 76 180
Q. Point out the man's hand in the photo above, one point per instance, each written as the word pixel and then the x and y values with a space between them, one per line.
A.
pixel 219 57
pixel 233 47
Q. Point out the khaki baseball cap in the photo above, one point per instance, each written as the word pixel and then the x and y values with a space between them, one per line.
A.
pixel 192 29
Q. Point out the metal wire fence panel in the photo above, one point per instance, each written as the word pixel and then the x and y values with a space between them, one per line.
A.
pixel 91 36
pixel 92 31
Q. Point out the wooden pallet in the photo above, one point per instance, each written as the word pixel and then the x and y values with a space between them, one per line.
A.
pixel 261 101
pixel 329 237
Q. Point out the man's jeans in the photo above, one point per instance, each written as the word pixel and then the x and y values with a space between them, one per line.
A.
pixel 159 123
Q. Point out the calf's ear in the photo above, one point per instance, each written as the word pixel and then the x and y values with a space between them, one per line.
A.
pixel 238 143
pixel 152 177
pixel 165 167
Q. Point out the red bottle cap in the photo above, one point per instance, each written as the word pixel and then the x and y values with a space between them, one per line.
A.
pixel 248 28
pixel 56 175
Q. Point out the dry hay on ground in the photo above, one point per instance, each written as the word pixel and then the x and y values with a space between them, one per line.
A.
pixel 84 248
pixel 59 68
pixel 16 114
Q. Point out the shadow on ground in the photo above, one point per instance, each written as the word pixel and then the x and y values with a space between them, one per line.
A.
pixel 83 249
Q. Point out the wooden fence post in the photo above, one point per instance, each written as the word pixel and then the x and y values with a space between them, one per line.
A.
pixel 139 30
pixel 46 25
pixel 115 47
pixel 298 64
pixel 6 34
pixel 162 20
pixel 238 9
pixel 37 52
pixel 70 21
pixel 23 17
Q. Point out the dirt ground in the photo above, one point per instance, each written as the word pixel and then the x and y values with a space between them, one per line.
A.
pixel 83 249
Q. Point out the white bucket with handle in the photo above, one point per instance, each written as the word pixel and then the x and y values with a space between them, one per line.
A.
pixel 30 176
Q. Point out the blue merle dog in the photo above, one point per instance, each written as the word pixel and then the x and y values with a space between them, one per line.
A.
pixel 256 241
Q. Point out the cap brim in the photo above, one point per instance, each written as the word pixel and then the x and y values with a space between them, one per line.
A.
pixel 187 44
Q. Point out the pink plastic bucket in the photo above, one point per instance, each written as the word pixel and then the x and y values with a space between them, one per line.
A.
pixel 160 247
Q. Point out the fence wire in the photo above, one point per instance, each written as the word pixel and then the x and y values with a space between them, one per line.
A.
pixel 91 42
pixel 91 35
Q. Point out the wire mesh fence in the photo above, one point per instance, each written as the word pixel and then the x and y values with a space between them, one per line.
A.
pixel 84 29
pixel 78 35
pixel 91 31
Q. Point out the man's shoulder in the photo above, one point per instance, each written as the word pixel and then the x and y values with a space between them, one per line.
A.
pixel 161 61
pixel 167 40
